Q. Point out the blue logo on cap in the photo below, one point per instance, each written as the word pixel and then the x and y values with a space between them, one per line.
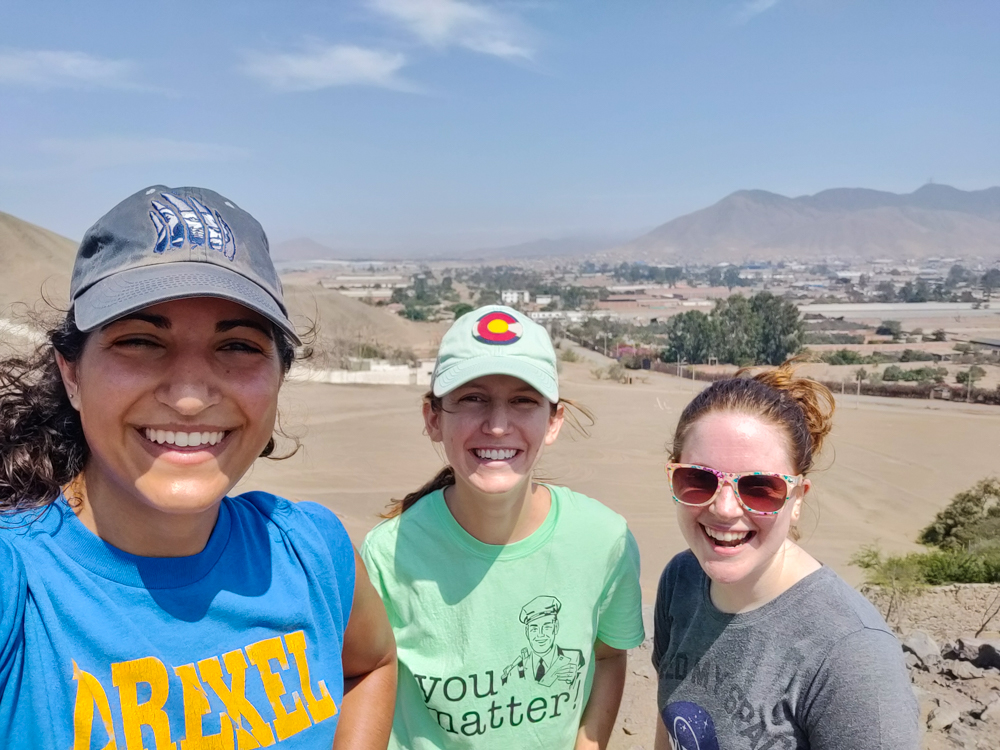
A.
pixel 191 221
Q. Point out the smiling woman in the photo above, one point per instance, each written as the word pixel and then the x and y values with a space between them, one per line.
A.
pixel 131 578
pixel 757 644
pixel 513 602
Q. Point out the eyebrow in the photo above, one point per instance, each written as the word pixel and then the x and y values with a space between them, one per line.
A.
pixel 227 325
pixel 163 322
pixel 159 321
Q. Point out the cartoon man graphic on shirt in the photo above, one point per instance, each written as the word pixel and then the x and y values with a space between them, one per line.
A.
pixel 545 661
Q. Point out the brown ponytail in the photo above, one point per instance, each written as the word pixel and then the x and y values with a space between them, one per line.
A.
pixel 801 407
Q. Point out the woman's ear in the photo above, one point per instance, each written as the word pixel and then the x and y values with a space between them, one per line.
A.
pixel 432 422
pixel 555 423
pixel 797 505
pixel 67 370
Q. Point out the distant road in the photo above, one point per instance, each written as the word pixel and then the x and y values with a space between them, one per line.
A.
pixel 901 309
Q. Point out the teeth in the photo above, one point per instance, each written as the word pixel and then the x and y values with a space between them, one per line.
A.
pixel 496 454
pixel 726 536
pixel 183 439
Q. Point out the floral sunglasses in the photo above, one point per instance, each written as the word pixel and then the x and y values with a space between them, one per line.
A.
pixel 760 492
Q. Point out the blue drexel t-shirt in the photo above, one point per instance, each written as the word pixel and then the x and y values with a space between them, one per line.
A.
pixel 237 646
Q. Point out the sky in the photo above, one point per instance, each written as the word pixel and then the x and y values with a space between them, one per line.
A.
pixel 432 125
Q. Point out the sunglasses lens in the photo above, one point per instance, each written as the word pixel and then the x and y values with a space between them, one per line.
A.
pixel 694 486
pixel 762 493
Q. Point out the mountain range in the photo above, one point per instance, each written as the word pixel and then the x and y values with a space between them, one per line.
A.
pixel 935 220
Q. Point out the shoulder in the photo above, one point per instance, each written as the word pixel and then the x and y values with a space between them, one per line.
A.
pixel 307 522
pixel 840 609
pixel 416 528
pixel 683 567
pixel 592 528
pixel 586 513
pixel 680 585
pixel 13 595
pixel 12 565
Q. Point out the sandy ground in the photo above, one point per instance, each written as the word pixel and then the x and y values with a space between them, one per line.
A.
pixel 890 466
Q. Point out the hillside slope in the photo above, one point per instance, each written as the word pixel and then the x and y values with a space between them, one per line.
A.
pixel 344 318
pixel 32 261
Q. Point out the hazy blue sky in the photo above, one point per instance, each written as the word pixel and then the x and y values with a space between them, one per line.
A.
pixel 463 123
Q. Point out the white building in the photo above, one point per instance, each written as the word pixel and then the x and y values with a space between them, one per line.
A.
pixel 514 296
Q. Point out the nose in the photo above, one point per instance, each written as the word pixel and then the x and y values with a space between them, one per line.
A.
pixel 189 385
pixel 725 504
pixel 496 419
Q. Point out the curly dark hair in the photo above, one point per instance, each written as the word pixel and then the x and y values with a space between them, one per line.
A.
pixel 42 445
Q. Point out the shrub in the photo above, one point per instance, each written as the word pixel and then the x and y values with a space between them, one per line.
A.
pixel 569 355
pixel 892 373
pixel 971 516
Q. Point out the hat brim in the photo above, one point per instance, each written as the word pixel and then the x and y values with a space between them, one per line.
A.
pixel 459 374
pixel 136 288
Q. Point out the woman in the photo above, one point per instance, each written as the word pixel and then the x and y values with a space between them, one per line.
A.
pixel 140 606
pixel 756 643
pixel 512 601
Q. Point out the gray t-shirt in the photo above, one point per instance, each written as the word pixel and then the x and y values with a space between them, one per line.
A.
pixel 816 668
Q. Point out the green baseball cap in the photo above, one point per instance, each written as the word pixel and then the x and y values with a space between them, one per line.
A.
pixel 496 340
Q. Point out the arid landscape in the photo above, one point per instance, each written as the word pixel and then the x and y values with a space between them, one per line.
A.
pixel 890 466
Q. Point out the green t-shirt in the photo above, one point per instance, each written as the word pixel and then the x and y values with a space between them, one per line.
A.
pixel 496 642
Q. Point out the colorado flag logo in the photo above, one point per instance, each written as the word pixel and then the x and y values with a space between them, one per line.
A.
pixel 497 328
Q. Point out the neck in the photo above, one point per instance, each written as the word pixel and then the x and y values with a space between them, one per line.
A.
pixel 501 518
pixel 788 566
pixel 138 529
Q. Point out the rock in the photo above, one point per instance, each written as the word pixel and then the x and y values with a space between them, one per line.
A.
pixel 629 727
pixel 989 655
pixel 921 645
pixel 965 649
pixel 942 717
pixel 982 653
pixel 912 660
pixel 992 711
pixel 962 736
pixel 962 670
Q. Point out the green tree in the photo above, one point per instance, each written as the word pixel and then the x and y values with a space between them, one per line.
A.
pixel 740 330
pixel 461 308
pixel 672 275
pixel 714 276
pixel 970 376
pixel 412 312
pixel 890 328
pixel 731 277
pixel 892 373
pixel 691 336
pixel 990 281
pixel 782 332
pixel 885 291
pixel 956 275
pixel 966 518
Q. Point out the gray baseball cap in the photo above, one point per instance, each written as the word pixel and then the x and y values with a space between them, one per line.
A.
pixel 163 244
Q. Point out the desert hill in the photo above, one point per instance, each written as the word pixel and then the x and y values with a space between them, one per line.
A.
pixel 342 318
pixel 934 220
pixel 32 261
